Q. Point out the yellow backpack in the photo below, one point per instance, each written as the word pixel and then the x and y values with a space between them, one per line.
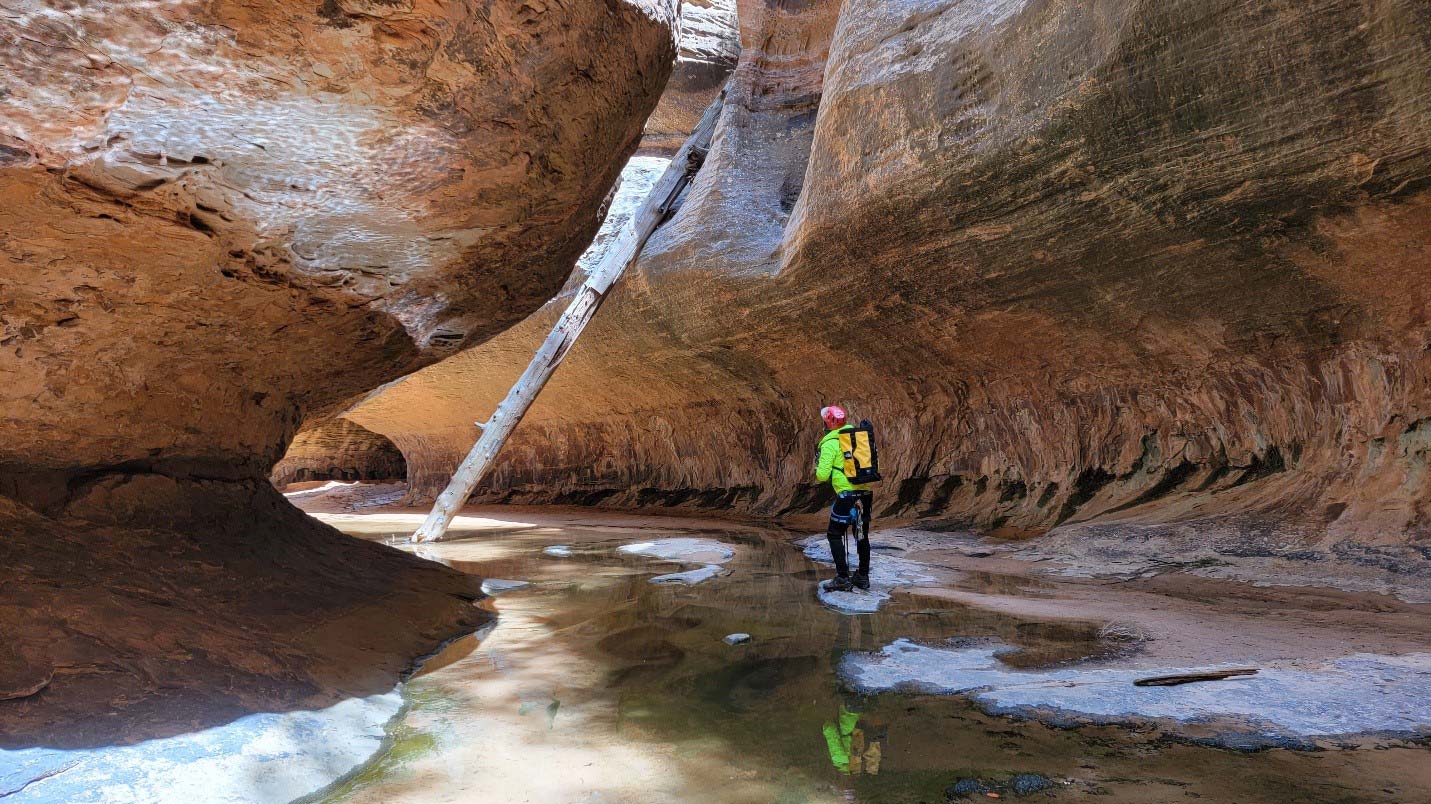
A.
pixel 861 457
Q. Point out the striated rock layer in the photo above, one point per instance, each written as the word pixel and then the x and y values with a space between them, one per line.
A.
pixel 1152 265
pixel 709 46
pixel 219 218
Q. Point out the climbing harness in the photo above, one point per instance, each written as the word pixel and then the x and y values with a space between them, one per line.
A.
pixel 857 518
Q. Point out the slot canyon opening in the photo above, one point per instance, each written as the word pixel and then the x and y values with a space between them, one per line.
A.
pixel 1134 295
pixel 338 449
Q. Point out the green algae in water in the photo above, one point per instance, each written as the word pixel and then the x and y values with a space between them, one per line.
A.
pixel 403 744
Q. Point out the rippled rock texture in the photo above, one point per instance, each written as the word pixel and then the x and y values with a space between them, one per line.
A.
pixel 1142 263
pixel 218 219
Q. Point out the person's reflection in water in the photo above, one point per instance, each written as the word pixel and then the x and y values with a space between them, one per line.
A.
pixel 851 750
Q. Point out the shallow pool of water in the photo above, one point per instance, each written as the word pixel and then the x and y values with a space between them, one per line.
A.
pixel 597 685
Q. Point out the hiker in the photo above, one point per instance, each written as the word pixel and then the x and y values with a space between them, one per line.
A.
pixel 846 460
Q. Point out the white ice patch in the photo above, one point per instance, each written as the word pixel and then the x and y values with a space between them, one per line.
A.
pixel 690 577
pixel 707 552
pixel 1357 694
pixel 557 551
pixel 496 586
pixel 261 757
pixel 887 573
pixel 684 550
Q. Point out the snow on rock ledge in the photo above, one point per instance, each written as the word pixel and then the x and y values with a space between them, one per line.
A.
pixel 1283 705
pixel 261 757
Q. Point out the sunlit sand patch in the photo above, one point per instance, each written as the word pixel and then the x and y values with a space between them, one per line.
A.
pixel 331 485
pixel 376 523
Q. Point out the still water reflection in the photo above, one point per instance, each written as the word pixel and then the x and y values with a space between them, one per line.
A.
pixel 596 685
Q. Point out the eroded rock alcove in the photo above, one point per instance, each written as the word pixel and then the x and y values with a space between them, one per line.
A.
pixel 1124 271
pixel 218 219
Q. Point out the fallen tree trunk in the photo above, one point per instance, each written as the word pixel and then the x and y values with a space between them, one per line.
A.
pixel 622 253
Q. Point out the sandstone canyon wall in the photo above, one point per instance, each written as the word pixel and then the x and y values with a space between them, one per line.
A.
pixel 1157 265
pixel 218 219
pixel 709 47
pixel 339 450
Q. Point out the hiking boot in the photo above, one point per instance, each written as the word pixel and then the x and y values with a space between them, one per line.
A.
pixel 839 583
pixel 862 580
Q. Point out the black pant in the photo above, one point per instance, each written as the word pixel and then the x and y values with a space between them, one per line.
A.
pixel 843 515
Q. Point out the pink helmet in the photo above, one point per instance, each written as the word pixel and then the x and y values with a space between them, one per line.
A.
pixel 833 416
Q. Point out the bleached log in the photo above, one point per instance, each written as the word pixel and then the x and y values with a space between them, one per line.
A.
pixel 587 300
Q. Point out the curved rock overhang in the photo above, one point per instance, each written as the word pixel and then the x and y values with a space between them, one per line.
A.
pixel 219 219
pixel 1146 264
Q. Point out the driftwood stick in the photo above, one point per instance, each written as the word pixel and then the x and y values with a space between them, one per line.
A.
pixel 583 306
pixel 1189 678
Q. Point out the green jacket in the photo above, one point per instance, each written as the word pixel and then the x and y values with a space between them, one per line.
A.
pixel 830 465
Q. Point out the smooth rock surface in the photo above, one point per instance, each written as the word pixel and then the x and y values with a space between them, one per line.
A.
pixel 219 219
pixel 157 632
pixel 710 43
pixel 205 205
pixel 1083 264
pixel 426 410
pixel 1361 694
pixel 337 449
